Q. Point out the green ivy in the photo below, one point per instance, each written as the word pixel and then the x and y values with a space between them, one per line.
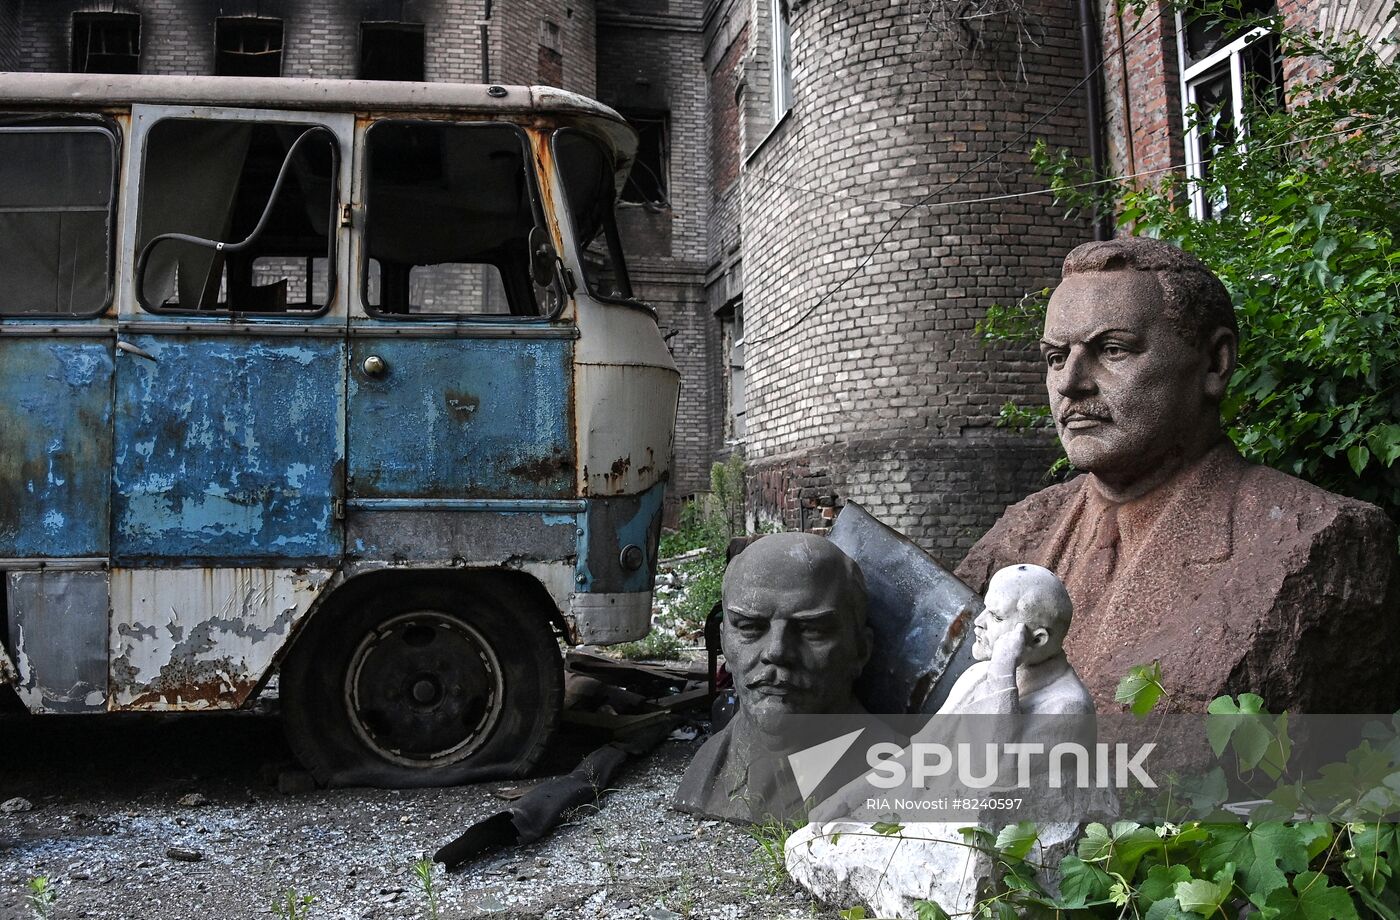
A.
pixel 1308 246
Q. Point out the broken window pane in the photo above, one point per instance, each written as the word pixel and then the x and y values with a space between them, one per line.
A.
pixel 106 42
pixel 247 46
pixel 449 210
pixel 56 197
pixel 590 188
pixel 647 182
pixel 214 181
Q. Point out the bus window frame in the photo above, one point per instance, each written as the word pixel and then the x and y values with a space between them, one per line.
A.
pixel 287 117
pixel 84 124
pixel 532 181
pixel 576 245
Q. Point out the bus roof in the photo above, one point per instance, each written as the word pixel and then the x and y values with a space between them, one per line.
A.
pixel 75 90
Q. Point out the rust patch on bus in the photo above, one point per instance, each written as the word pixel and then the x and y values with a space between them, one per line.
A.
pixel 542 469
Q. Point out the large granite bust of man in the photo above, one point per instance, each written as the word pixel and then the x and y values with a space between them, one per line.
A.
pixel 1235 576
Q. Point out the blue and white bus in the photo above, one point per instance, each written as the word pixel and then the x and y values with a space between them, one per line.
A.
pixel 335 381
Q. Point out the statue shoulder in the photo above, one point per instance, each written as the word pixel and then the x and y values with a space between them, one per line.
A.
pixel 1266 494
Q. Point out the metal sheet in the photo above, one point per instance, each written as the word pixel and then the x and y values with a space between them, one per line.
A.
pixel 626 420
pixel 55 446
pixel 461 418
pixel 919 611
pixel 428 537
pixel 605 619
pixel 58 630
pixel 228 449
pixel 611 524
pixel 185 639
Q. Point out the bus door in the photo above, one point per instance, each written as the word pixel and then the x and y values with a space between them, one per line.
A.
pixel 58 206
pixel 229 453
pixel 460 383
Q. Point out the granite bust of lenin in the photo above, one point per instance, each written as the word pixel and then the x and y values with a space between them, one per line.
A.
pixel 1235 576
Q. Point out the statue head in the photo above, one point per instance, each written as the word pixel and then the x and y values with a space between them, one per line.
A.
pixel 794 632
pixel 1026 595
pixel 1140 342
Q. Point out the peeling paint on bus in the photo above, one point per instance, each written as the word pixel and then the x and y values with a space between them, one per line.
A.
pixel 201 638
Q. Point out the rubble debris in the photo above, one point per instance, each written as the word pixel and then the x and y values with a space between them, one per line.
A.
pixel 184 855
pixel 193 800
pixel 16 804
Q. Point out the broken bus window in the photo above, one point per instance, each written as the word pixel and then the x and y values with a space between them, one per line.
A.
pixel 236 216
pixel 448 214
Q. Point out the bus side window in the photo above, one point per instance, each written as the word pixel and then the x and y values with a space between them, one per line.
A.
pixel 237 216
pixel 449 210
pixel 56 202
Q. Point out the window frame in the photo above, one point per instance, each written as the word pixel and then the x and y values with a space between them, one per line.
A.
pixel 87 19
pixel 578 247
pixel 536 207
pixel 1231 55
pixel 78 124
pixel 229 313
pixel 399 27
pixel 781 34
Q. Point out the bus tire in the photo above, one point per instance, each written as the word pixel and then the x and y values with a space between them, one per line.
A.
pixel 434 685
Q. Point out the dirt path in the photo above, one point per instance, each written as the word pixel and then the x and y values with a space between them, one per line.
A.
pixel 109 830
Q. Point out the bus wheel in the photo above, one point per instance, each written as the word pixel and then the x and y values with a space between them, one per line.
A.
pixel 422 687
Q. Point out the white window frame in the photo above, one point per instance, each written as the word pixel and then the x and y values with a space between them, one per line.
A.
pixel 782 59
pixel 1191 76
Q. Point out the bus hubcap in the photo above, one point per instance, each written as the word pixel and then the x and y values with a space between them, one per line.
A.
pixel 423 689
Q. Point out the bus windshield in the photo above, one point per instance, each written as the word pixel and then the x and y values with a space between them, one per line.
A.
pixel 590 188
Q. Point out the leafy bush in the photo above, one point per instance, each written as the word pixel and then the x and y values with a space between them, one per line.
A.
pixel 1308 245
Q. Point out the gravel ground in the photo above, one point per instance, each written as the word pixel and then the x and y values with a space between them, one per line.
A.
pixel 118 801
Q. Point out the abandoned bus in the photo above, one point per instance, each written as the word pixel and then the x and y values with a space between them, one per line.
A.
pixel 338 381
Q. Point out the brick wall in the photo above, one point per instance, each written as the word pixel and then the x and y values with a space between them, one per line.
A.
pixel 1142 91
pixel 515 43
pixel 885 387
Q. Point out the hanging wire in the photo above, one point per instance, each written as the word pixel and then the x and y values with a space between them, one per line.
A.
pixel 942 187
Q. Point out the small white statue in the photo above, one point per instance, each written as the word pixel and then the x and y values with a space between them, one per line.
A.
pixel 1021 670
pixel 1019 646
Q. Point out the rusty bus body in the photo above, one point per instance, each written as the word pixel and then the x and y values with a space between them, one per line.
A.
pixel 333 377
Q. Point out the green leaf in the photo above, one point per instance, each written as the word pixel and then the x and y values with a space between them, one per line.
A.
pixel 1141 688
pixel 1168 909
pixel 928 910
pixel 1161 883
pixel 1262 853
pixel 1315 899
pixel 1201 896
pixel 852 913
pixel 1082 884
pixel 1358 456
pixel 1016 840
pixel 886 828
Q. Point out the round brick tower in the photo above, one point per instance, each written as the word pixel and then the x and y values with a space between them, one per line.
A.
pixel 884 394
